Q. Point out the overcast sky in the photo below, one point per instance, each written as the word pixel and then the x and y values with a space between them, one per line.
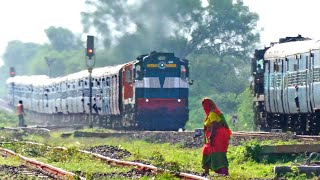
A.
pixel 26 20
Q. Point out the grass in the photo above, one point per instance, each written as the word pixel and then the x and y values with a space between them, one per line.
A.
pixel 10 161
pixel 245 160
pixel 8 119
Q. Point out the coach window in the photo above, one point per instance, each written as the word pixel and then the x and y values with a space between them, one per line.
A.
pixel 103 82
pixel 296 65
pixel 302 63
pixel 128 75
pixel 108 81
pixel 316 58
pixel 280 65
pixel 275 67
pixel 92 82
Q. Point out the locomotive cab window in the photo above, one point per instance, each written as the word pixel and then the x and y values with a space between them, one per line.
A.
pixel 138 72
pixel 183 72
pixel 259 66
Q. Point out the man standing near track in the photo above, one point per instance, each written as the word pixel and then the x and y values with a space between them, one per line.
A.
pixel 20 112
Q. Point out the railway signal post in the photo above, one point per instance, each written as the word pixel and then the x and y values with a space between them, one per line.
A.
pixel 90 64
pixel 12 74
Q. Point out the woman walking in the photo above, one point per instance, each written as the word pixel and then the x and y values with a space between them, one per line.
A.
pixel 217 135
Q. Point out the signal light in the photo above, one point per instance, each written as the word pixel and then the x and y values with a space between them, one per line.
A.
pixel 12 72
pixel 90 46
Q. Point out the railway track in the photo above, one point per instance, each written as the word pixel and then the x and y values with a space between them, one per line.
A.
pixel 53 172
pixel 62 174
pixel 4 105
pixel 143 167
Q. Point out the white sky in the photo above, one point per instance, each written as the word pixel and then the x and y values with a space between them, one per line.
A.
pixel 281 18
pixel 26 20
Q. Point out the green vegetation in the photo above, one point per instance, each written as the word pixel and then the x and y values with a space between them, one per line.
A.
pixel 10 161
pixel 8 120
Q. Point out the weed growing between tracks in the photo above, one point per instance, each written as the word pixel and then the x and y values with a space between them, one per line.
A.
pixel 10 161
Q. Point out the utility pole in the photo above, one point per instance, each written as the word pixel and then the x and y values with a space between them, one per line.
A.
pixel 90 64
pixel 90 97
pixel 13 104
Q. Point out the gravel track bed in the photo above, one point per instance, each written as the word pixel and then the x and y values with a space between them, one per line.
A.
pixel 187 139
pixel 110 151
pixel 132 174
pixel 21 172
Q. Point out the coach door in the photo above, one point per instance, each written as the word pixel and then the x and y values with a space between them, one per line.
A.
pixel 310 66
pixel 127 77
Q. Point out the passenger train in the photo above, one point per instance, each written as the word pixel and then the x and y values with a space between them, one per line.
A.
pixel 148 93
pixel 286 86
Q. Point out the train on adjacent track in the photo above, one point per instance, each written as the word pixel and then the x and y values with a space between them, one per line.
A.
pixel 286 86
pixel 148 93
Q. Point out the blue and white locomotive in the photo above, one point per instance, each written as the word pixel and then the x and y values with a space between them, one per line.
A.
pixel 149 93
pixel 286 86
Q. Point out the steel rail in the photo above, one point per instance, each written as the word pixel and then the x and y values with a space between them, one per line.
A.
pixel 140 166
pixel 54 171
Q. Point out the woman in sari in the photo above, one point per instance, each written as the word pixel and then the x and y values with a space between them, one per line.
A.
pixel 217 135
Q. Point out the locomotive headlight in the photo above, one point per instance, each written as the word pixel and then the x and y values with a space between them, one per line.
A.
pixel 179 100
pixel 162 65
pixel 147 100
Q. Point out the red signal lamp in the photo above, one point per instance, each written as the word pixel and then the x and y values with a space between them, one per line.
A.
pixel 90 51
pixel 12 72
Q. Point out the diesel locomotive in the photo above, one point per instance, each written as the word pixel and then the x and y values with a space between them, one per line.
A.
pixel 286 86
pixel 148 93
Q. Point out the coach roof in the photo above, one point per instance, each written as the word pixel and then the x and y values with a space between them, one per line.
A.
pixel 290 48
